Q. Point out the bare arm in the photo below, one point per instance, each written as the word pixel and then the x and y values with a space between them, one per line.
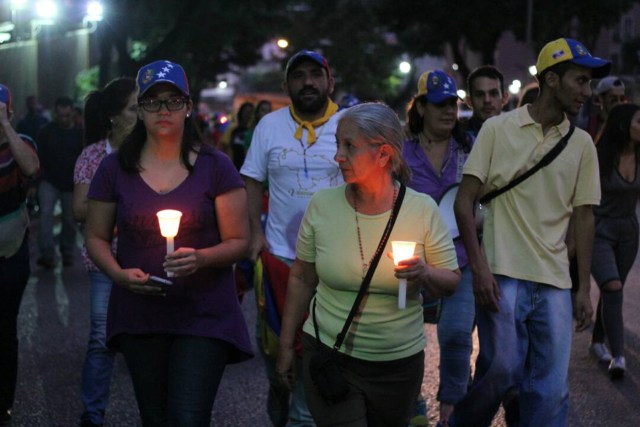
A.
pixel 585 230
pixel 98 235
pixel 24 155
pixel 80 202
pixel 301 287
pixel 258 241
pixel 231 212
pixel 485 286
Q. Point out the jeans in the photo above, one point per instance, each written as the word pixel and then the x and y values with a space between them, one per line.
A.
pixel 284 406
pixel 175 377
pixel 48 195
pixel 527 343
pixel 455 328
pixel 98 361
pixel 14 275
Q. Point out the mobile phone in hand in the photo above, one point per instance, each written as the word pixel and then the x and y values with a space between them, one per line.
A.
pixel 160 281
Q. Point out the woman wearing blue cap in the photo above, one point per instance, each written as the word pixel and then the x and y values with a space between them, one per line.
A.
pixel 176 335
pixel 435 152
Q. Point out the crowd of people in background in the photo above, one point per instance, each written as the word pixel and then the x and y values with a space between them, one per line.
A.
pixel 505 208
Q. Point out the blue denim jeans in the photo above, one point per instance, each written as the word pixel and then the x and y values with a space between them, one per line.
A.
pixel 527 344
pixel 98 362
pixel 455 328
pixel 175 377
pixel 14 275
pixel 48 195
pixel 283 406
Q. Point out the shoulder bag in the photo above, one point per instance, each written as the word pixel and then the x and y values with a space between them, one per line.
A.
pixel 324 366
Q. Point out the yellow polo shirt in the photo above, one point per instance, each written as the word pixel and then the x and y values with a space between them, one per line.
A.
pixel 525 228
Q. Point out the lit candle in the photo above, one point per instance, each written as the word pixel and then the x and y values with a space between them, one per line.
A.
pixel 401 251
pixel 169 220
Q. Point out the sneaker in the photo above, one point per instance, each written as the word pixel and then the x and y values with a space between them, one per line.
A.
pixel 5 417
pixel 617 367
pixel 601 352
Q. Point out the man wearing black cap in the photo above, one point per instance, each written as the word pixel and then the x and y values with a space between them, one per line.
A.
pixel 522 285
pixel 294 148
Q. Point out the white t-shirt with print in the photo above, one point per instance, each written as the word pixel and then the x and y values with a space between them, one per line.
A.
pixel 295 171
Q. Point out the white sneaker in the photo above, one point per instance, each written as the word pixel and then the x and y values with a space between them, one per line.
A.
pixel 617 367
pixel 601 352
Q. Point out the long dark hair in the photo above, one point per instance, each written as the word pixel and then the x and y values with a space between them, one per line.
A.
pixel 415 123
pixel 615 137
pixel 101 105
pixel 131 149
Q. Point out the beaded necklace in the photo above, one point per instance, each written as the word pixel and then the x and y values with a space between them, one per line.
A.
pixel 365 265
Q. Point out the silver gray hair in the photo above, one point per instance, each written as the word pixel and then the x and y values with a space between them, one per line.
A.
pixel 379 125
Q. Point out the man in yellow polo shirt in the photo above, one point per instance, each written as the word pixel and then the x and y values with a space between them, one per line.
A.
pixel 521 275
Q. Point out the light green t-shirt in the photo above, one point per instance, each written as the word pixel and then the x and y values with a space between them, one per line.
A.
pixel 328 237
pixel 525 228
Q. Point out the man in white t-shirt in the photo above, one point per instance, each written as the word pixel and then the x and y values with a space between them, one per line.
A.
pixel 293 148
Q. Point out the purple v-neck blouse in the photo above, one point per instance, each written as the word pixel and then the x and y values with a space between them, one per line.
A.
pixel 202 304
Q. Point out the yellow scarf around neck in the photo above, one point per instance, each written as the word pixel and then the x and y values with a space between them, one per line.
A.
pixel 332 108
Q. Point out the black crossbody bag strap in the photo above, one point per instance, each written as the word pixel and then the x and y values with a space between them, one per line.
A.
pixel 367 278
pixel 545 161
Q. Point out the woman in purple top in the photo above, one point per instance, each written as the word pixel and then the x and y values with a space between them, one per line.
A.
pixel 178 338
pixel 436 152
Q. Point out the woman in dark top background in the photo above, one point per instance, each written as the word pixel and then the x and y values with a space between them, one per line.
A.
pixel 616 237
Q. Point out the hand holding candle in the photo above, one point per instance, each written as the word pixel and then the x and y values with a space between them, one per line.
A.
pixel 401 251
pixel 169 220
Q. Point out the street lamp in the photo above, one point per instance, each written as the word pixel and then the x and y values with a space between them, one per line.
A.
pixel 46 10
pixel 95 12
pixel 515 86
pixel 282 43
pixel 404 67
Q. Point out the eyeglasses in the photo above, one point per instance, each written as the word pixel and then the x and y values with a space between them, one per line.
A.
pixel 154 105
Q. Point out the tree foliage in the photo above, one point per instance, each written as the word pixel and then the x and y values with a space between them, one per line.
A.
pixel 428 26
pixel 363 39
pixel 206 37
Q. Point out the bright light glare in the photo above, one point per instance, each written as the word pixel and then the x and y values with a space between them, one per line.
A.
pixel 462 94
pixel 5 37
pixel 95 11
pixel 454 66
pixel 18 4
pixel 515 86
pixel 533 70
pixel 223 120
pixel 46 9
pixel 282 43
pixel 223 84
pixel 404 67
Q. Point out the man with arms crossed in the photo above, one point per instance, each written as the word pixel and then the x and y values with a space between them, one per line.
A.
pixel 522 285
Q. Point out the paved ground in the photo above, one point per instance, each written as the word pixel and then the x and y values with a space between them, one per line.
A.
pixel 54 328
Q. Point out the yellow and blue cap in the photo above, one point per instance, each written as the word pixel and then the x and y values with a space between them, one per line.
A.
pixel 162 72
pixel 569 50
pixel 437 86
